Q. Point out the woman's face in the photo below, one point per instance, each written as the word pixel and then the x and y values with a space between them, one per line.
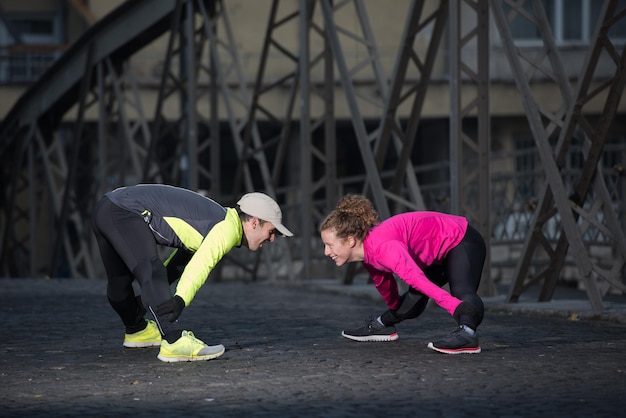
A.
pixel 338 249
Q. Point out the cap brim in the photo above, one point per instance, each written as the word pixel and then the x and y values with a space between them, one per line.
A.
pixel 283 230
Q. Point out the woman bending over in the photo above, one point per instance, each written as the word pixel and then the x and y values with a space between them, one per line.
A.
pixel 426 250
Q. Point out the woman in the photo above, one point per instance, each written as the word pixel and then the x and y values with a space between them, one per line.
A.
pixel 426 250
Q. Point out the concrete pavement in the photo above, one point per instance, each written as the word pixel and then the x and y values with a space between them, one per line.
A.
pixel 61 355
pixel 567 302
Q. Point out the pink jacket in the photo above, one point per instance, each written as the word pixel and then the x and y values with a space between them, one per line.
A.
pixel 405 244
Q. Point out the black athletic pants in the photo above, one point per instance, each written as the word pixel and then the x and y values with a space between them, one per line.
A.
pixel 129 252
pixel 462 270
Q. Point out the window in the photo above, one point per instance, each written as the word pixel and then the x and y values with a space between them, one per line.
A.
pixel 34 33
pixel 40 29
pixel 526 163
pixel 571 22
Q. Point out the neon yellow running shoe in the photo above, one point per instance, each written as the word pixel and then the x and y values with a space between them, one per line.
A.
pixel 149 337
pixel 188 348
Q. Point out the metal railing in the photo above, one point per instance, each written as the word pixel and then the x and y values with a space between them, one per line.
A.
pixel 26 63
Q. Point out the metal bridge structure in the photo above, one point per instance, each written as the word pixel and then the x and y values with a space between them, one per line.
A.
pixel 83 127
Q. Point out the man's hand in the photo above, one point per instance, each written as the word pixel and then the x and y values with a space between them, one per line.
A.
pixel 173 306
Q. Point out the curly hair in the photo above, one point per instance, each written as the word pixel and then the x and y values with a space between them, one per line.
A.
pixel 354 215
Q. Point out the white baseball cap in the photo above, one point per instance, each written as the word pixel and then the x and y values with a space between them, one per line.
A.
pixel 264 207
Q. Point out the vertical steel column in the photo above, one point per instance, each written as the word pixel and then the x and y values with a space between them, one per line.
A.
pixel 454 29
pixel 306 201
pixel 484 143
pixel 469 156
pixel 32 211
pixel 215 188
pixel 330 132
pixel 189 157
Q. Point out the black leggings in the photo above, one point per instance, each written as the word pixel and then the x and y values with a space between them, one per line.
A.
pixel 461 269
pixel 129 252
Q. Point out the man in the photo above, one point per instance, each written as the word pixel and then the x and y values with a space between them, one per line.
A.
pixel 130 222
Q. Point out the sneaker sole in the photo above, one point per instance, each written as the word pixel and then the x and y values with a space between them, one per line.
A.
pixel 469 350
pixel 198 358
pixel 375 338
pixel 142 345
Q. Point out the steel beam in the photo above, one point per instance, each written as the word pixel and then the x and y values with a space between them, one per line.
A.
pixel 469 98
pixel 554 200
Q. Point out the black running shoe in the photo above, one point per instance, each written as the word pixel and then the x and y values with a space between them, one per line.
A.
pixel 457 342
pixel 372 331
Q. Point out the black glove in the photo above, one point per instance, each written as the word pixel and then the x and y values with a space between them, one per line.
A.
pixel 173 306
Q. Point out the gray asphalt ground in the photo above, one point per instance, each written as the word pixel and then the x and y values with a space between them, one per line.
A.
pixel 61 356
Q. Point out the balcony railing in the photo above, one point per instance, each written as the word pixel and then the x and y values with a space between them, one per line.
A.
pixel 26 63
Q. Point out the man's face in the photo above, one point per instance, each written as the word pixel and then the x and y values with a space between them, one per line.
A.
pixel 257 234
